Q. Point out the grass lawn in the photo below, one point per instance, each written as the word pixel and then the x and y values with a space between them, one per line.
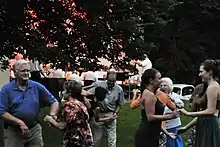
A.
pixel 128 122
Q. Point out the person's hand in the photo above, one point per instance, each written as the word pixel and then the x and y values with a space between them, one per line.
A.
pixel 113 116
pixel 97 111
pixel 48 118
pixel 134 91
pixel 86 93
pixel 24 129
pixel 181 130
pixel 132 62
pixel 172 135
pixel 183 111
pixel 175 114
pixel 54 116
pixel 87 102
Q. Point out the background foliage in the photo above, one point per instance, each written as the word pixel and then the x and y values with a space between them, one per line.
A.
pixel 177 34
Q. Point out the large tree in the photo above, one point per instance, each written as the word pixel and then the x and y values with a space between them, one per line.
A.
pixel 183 34
pixel 78 32
pixel 177 34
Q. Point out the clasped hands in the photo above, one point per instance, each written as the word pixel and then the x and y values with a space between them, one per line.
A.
pixel 178 112
pixel 49 118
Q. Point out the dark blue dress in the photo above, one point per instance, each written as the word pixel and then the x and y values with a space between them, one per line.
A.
pixel 208 130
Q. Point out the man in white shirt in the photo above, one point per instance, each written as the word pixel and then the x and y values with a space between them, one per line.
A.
pixel 143 65
pixel 88 78
pixel 100 75
pixel 36 70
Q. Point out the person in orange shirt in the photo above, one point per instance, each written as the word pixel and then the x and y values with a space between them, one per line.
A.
pixel 164 99
pixel 161 96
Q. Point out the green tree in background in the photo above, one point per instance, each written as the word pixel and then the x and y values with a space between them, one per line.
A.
pixel 68 31
pixel 177 35
pixel 184 33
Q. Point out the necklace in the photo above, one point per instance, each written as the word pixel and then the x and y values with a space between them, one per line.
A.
pixel 150 89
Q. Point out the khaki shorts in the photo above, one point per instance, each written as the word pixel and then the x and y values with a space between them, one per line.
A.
pixel 14 138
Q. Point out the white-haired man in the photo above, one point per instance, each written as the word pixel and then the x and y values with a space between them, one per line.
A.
pixel 20 102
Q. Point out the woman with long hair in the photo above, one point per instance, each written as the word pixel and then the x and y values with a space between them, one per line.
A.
pixel 152 110
pixel 206 121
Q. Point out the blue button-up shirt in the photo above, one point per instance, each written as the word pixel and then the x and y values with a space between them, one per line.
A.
pixel 24 105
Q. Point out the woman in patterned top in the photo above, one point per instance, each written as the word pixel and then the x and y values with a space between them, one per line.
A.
pixel 73 118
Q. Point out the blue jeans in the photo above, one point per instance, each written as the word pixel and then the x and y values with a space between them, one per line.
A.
pixel 178 142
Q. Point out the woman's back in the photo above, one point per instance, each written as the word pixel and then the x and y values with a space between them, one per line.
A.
pixel 77 132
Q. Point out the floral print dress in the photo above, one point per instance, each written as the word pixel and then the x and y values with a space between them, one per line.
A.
pixel 78 132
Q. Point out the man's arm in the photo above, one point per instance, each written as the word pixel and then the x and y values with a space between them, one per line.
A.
pixel 54 107
pixel 92 87
pixel 47 97
pixel 138 63
pixel 89 86
pixel 4 108
pixel 144 63
pixel 120 101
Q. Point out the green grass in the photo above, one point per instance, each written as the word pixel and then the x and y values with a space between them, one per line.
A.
pixel 128 122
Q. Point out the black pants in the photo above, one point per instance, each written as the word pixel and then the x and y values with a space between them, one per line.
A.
pixel 1 133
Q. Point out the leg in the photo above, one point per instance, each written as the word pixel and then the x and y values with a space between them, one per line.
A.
pixel 35 138
pixel 111 130
pixel 97 129
pixel 13 138
pixel 1 132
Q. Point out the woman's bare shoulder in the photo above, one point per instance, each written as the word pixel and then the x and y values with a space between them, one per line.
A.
pixel 147 94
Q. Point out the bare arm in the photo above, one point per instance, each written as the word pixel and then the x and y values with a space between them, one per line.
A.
pixel 191 123
pixel 98 119
pixel 134 95
pixel 120 101
pixel 60 125
pixel 149 104
pixel 10 118
pixel 88 87
pixel 118 108
pixel 97 116
pixel 138 63
pixel 165 131
pixel 54 108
